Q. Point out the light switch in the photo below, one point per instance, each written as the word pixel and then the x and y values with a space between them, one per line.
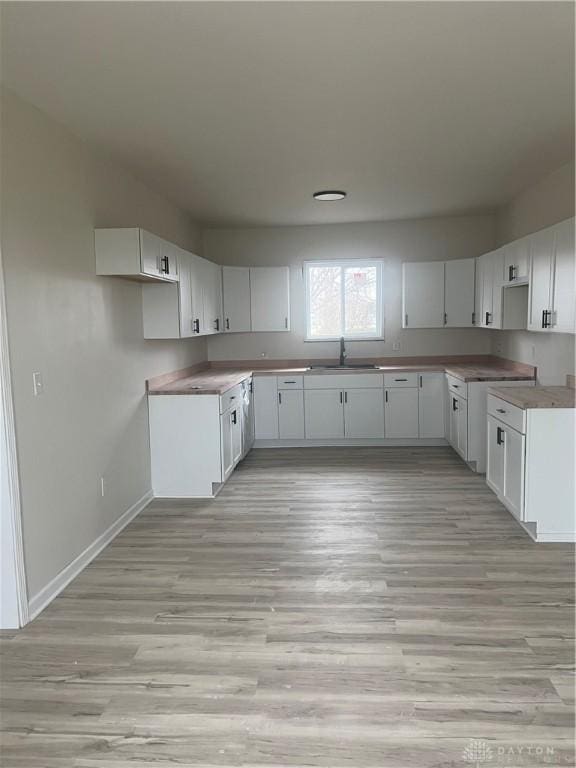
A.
pixel 38 385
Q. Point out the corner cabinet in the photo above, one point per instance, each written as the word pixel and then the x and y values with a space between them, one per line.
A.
pixel 136 254
pixel 192 307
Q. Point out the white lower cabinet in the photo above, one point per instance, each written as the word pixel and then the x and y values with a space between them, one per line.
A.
pixel 196 441
pixel 520 444
pixel 431 405
pixel 363 413
pixel 230 440
pixel 324 413
pixel 458 418
pixel 266 408
pixel 401 412
pixel 290 414
pixel 248 426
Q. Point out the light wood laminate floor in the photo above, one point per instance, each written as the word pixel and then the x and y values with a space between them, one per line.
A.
pixel 332 607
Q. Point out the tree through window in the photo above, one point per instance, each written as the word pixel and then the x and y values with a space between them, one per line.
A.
pixel 343 298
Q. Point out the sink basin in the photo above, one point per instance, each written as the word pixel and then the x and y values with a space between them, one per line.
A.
pixel 353 366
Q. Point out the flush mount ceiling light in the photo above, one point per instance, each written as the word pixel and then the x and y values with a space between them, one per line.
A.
pixel 329 195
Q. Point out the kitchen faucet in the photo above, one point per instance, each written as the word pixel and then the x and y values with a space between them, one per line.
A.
pixel 343 354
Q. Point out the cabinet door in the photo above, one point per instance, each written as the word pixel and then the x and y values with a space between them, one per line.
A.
pixel 495 456
pixel 459 293
pixel 401 412
pixel 453 422
pixel 270 298
pixel 248 418
pixel 539 299
pixel 431 401
pixel 226 444
pixel 236 429
pixel 211 297
pixel 516 260
pixel 485 275
pixel 462 422
pixel 423 294
pixel 497 288
pixel 150 253
pixel 513 490
pixel 236 296
pixel 265 408
pixel 563 292
pixel 324 413
pixel 185 294
pixel 197 278
pixel 363 413
pixel 169 260
pixel 291 414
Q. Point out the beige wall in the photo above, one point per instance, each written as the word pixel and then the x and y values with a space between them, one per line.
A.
pixel 82 332
pixel 397 241
pixel 545 203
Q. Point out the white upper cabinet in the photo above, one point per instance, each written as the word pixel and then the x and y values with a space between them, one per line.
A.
pixel 517 261
pixel 211 297
pixel 490 271
pixel 270 298
pixel 134 253
pixel 459 293
pixel 541 262
pixel 236 295
pixel 423 294
pixel 191 307
pixel 563 318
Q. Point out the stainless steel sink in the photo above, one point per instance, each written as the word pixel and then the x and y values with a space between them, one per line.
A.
pixel 349 366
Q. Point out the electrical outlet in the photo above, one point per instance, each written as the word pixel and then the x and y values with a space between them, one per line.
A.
pixel 102 487
pixel 263 354
pixel 396 346
pixel 38 383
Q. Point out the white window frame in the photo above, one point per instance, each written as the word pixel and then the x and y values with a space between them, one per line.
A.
pixel 378 335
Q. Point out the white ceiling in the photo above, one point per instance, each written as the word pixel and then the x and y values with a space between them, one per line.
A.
pixel 240 111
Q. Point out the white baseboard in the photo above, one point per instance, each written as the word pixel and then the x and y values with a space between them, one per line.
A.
pixel 348 442
pixel 40 600
pixel 558 538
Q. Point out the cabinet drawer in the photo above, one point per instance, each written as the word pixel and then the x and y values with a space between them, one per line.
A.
pixel 343 381
pixel 290 382
pixel 457 386
pixel 507 413
pixel 231 398
pixel 400 379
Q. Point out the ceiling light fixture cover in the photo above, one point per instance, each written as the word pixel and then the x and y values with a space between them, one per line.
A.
pixel 329 195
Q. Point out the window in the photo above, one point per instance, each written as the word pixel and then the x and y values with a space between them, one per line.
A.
pixel 343 298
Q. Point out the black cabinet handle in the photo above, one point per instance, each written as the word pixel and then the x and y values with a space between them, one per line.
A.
pixel 499 436
pixel 420 382
pixel 345 397
pixel 400 379
pixel 511 273
pixel 500 410
pixel 386 396
pixel 227 323
pixel 280 398
pixel 546 318
pixel 165 265
pixel 454 404
pixel 196 326
pixel 340 397
pixel 217 324
pixel 234 418
pixel 488 320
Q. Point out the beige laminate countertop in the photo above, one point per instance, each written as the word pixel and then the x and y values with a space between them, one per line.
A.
pixel 536 397
pixel 215 381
